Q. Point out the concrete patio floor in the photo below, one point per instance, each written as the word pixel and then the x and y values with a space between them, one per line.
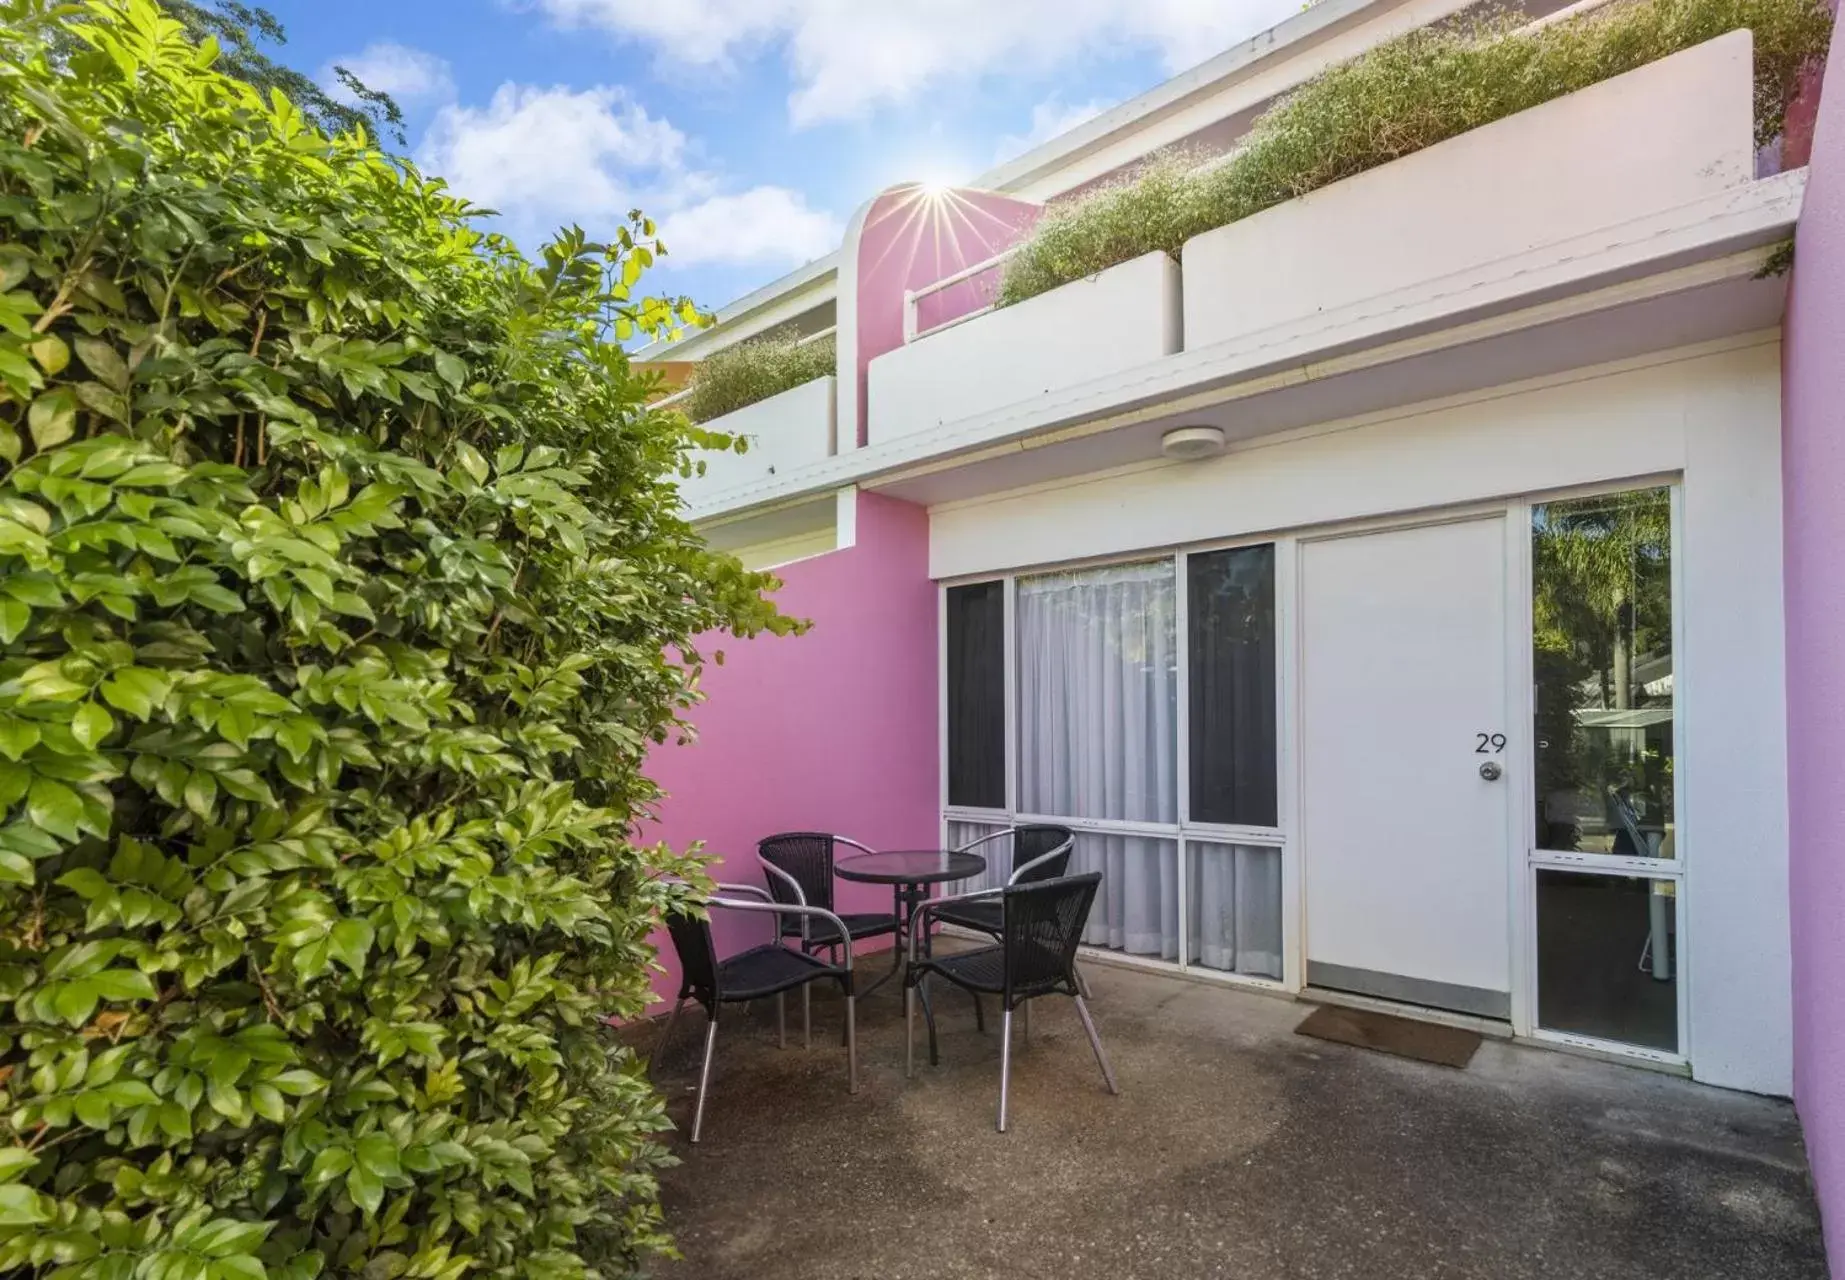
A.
pixel 1236 1148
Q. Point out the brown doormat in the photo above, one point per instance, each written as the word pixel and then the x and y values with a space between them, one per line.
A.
pixel 1405 1037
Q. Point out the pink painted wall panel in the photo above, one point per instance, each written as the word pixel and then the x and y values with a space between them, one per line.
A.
pixel 913 236
pixel 1813 453
pixel 834 730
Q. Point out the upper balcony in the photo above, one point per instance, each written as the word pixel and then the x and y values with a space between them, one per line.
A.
pixel 787 419
pixel 1458 264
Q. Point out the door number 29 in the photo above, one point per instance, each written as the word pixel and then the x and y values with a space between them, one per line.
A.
pixel 1491 744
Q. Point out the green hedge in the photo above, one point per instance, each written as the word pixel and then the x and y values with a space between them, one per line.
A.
pixel 1411 93
pixel 739 376
pixel 340 563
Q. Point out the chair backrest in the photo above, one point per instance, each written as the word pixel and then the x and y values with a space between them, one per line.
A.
pixel 697 956
pixel 1034 842
pixel 808 857
pixel 1044 925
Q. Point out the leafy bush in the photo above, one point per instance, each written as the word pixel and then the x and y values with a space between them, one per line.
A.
pixel 1413 92
pixel 739 376
pixel 339 559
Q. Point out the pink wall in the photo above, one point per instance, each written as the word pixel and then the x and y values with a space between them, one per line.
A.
pixel 913 236
pixel 1813 461
pixel 834 730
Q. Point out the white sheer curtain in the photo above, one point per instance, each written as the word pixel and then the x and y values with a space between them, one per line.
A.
pixel 1235 904
pixel 1098 678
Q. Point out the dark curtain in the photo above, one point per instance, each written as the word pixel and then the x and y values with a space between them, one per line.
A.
pixel 977 695
pixel 1231 618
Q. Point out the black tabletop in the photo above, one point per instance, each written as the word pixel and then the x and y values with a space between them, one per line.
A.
pixel 910 866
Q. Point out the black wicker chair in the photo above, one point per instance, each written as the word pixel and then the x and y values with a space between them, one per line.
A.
pixel 799 868
pixel 768 970
pixel 1041 925
pixel 1038 853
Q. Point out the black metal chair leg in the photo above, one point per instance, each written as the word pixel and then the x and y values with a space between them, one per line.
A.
pixel 980 1017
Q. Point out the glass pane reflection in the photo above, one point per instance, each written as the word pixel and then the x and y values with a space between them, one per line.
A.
pixel 1602 657
pixel 1608 958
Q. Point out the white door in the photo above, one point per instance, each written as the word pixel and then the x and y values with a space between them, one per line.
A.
pixel 1403 688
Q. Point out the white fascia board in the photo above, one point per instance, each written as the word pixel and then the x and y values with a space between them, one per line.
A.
pixel 1608 267
pixel 801 290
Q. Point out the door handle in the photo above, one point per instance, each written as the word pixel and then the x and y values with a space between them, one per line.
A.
pixel 1491 771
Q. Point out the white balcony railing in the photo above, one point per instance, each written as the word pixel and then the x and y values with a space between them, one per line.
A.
pixel 913 299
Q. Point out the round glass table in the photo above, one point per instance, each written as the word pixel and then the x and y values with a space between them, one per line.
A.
pixel 911 872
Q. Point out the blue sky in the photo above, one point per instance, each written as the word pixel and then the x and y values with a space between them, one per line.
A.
pixel 750 129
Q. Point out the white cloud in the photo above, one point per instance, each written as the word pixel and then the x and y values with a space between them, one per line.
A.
pixel 544 157
pixel 1049 119
pixel 762 224
pixel 846 57
pixel 408 75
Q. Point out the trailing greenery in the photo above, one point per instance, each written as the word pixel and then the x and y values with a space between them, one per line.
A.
pixel 739 376
pixel 1400 97
pixel 340 563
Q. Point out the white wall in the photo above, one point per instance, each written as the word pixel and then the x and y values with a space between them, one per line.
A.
pixel 1091 328
pixel 786 431
pixel 1712 416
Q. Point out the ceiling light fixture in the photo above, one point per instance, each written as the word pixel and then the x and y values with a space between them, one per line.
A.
pixel 1188 444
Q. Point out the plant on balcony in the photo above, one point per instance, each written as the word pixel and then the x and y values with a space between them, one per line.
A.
pixel 1400 97
pixel 339 564
pixel 739 376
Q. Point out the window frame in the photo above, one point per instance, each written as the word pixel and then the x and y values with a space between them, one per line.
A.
pixel 1184 831
pixel 1536 859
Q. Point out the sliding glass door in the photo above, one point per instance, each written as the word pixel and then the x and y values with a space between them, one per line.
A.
pixel 1143 715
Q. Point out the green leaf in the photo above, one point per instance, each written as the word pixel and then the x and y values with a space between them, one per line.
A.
pixel 15 1161
pixel 101 358
pixel 21 1206
pixel 377 1153
pixel 365 1188
pixel 91 724
pixel 350 941
pixel 51 353
pixel 300 1083
pixel 74 1002
pixel 135 690
pixel 267 1102
pixel 56 808
pixel 93 1110
pixel 123 984
pixel 228 1237
pixel 329 1164
pixel 52 418
pixel 15 617
pixel 17 737
pixel 471 461
pixel 225 1100
pixel 451 369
